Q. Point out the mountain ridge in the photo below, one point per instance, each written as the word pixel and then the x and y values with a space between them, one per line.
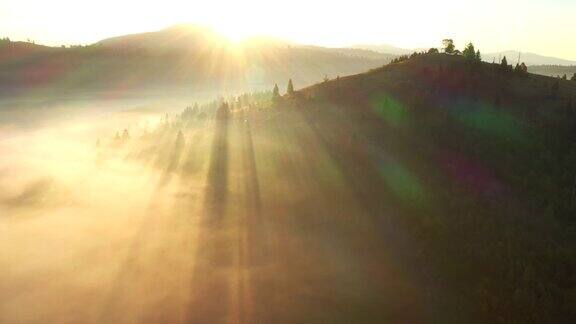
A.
pixel 528 58
pixel 180 55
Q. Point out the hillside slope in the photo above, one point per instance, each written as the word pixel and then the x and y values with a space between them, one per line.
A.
pixel 478 166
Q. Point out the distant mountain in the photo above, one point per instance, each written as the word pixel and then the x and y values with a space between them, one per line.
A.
pixel 176 37
pixel 528 58
pixel 553 70
pixel 512 56
pixel 355 52
pixel 384 48
pixel 183 55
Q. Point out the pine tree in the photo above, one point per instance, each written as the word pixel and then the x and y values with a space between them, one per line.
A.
pixel 573 77
pixel 469 52
pixel 523 69
pixel 290 88
pixel 448 46
pixel 478 57
pixel 275 92
pixel 223 112
pixel 504 65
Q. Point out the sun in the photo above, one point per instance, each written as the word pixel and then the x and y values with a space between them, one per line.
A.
pixel 233 32
pixel 234 36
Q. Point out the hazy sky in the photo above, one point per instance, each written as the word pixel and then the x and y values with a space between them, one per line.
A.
pixel 541 26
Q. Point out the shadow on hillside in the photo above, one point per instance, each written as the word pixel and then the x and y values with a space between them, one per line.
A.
pixel 210 290
pixel 217 183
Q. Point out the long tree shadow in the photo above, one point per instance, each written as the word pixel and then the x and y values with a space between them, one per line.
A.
pixel 191 163
pixel 148 246
pixel 210 286
pixel 217 185
pixel 251 248
pixel 131 264
pixel 174 160
pixel 253 200
pixel 356 158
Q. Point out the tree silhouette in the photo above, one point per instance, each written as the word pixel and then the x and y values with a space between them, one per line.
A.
pixel 504 67
pixel 399 59
pixel 179 140
pixel 223 112
pixel 276 94
pixel 478 56
pixel 290 88
pixel 521 69
pixel 573 78
pixel 448 46
pixel 469 52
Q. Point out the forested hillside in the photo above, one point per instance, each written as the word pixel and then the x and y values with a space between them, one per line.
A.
pixel 481 162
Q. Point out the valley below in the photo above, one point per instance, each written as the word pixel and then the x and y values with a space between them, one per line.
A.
pixel 432 189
